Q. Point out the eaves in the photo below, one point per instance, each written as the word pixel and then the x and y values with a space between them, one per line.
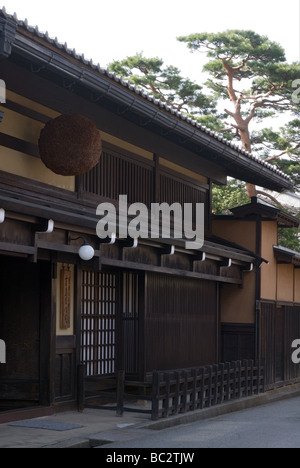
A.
pixel 136 105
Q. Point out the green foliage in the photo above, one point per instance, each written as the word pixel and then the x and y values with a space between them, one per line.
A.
pixel 235 47
pixel 289 238
pixel 245 49
pixel 230 196
pixel 281 148
pixel 165 83
pixel 252 71
pixel 261 87
pixel 252 59
pixel 234 194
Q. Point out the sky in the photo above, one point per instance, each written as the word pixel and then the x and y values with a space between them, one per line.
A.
pixel 112 30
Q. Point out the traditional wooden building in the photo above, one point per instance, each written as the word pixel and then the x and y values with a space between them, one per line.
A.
pixel 136 306
pixel 263 318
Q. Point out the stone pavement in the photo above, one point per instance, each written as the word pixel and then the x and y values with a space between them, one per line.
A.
pixel 99 427
pixel 99 424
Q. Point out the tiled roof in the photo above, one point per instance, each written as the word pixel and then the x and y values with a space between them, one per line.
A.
pixel 140 92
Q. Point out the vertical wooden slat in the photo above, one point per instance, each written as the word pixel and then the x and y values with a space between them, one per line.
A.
pixel 80 386
pixel 228 389
pixel 246 377
pixel 209 371
pixel 167 407
pixel 239 379
pixel 130 323
pixel 120 392
pixel 185 392
pixel 194 389
pixel 202 388
pixel 155 396
pixel 216 383
pixel 221 368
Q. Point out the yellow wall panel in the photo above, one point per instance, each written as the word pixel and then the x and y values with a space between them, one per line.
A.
pixel 241 232
pixel 297 285
pixel 269 272
pixel 19 126
pixel 285 283
pixel 126 146
pixel 183 171
pixel 18 99
pixel 238 304
pixel 23 165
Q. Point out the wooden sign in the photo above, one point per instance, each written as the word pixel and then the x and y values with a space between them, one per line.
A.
pixel 65 299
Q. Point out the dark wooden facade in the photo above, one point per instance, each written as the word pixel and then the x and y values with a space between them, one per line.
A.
pixel 134 308
pixel 182 321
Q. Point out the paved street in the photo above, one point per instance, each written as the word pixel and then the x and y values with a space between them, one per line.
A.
pixel 276 425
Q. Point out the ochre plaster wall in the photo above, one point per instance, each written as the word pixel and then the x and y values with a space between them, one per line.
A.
pixel 285 283
pixel 269 271
pixel 240 232
pixel 237 305
pixel 297 285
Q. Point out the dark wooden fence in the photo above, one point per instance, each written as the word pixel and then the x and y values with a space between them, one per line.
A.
pixel 181 391
pixel 279 327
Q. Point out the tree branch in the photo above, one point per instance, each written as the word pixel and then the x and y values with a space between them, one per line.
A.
pixel 233 126
pixel 288 151
pixel 251 114
pixel 232 114
pixel 230 88
pixel 259 192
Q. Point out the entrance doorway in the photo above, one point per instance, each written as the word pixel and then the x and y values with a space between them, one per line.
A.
pixel 21 284
pixel 109 328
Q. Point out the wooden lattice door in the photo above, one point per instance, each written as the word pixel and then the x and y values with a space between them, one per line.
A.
pixel 110 323
pixel 98 322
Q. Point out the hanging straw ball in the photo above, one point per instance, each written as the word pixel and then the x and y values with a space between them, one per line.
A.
pixel 70 145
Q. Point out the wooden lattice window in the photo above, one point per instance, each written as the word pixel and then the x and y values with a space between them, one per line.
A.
pixel 173 190
pixel 98 323
pixel 118 175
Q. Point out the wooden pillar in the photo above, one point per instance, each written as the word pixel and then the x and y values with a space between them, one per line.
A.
pixel 47 333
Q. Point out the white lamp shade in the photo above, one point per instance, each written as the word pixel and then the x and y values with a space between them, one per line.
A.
pixel 86 252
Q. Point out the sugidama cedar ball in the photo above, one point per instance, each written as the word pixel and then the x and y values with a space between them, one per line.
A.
pixel 70 145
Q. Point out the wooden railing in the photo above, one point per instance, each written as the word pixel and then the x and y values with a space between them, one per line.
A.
pixel 185 390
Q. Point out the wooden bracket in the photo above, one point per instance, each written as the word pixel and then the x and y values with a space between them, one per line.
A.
pixel 226 263
pixel 109 240
pixel 129 243
pixel 248 270
pixel 199 258
pixel 44 227
pixel 168 250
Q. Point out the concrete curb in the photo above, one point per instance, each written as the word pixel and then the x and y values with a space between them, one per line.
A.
pixel 279 394
pixel 220 410
pixel 78 442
